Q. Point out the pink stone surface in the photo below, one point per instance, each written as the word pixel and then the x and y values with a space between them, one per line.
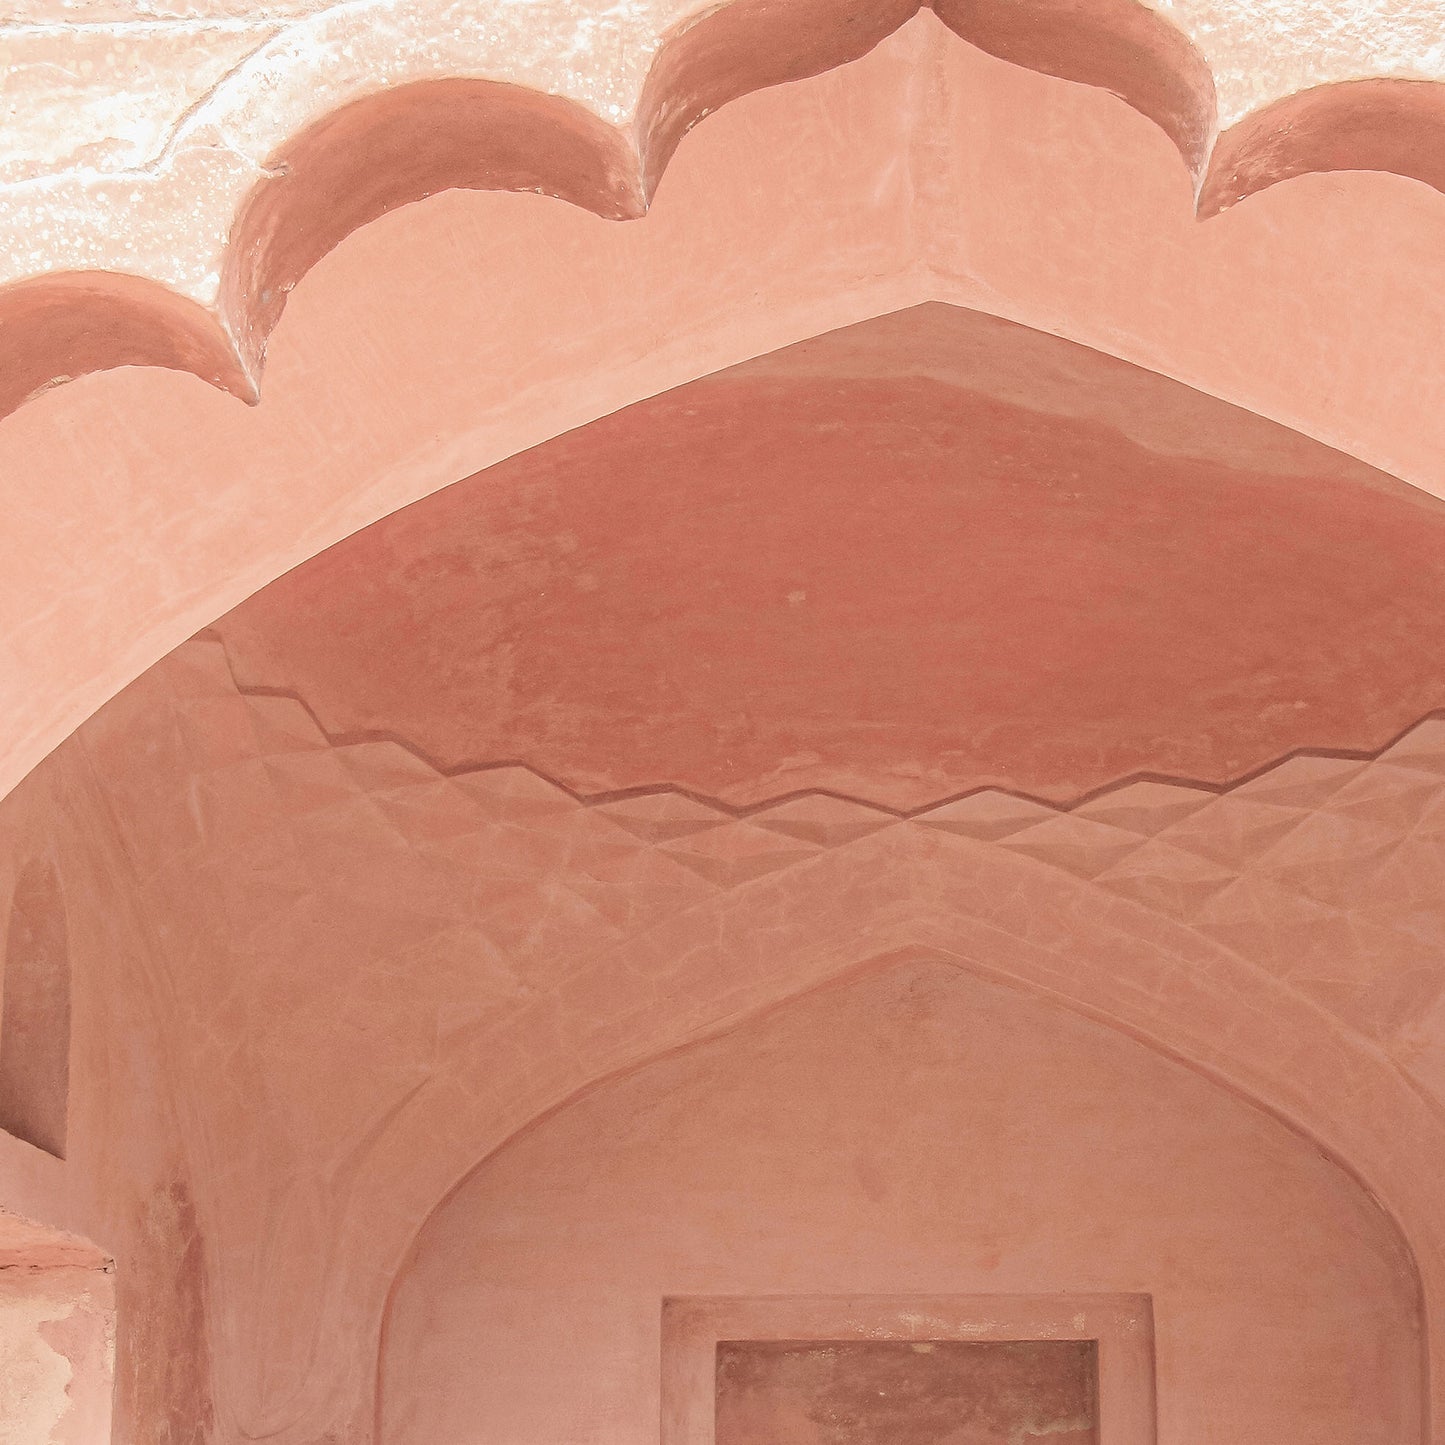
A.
pixel 1115 1332
pixel 368 976
pixel 317 980
pixel 190 150
pixel 35 1017
pixel 57 1343
pixel 963 1392
pixel 111 1199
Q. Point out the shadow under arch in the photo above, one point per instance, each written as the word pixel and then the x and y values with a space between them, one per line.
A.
pixel 35 1011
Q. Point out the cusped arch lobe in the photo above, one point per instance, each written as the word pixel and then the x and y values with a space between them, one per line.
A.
pixel 402 145
pixel 1116 45
pixel 1396 126
pixel 57 328
pixel 749 45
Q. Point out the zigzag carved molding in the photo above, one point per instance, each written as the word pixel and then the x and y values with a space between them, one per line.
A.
pixel 1243 940
pixel 826 816
pixel 360 155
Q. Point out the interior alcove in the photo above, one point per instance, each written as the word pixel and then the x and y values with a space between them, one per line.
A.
pixel 972 1392
pixel 35 1012
pixel 913 1130
pixel 528 782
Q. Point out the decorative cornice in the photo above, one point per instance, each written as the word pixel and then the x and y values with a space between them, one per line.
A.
pixel 985 812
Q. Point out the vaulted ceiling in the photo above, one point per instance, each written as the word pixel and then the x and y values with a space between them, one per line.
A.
pixel 924 554
pixel 917 536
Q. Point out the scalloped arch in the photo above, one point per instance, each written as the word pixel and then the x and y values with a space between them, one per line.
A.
pixel 448 337
pixel 400 146
pixel 1396 126
pixel 57 328
pixel 374 154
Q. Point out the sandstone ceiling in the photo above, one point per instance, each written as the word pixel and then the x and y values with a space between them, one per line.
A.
pixel 921 555
pixel 366 977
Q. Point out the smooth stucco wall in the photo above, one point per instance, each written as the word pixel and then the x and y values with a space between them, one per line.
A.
pixel 917 1131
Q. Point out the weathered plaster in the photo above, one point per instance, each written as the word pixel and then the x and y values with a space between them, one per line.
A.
pixel 57 1337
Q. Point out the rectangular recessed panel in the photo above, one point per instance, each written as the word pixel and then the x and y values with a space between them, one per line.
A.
pixel 901 1392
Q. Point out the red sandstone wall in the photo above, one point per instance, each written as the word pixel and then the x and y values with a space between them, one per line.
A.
pixel 918 1131
pixel 125 1182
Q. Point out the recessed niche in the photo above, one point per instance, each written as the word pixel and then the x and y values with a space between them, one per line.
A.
pixel 906 1392
pixel 35 1013
pixel 908 1370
